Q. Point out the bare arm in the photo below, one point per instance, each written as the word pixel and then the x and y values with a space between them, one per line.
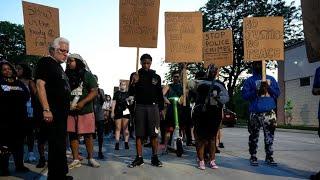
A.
pixel 92 94
pixel 165 89
pixel 113 105
pixel 33 87
pixel 42 94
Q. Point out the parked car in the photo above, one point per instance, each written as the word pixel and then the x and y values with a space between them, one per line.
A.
pixel 229 118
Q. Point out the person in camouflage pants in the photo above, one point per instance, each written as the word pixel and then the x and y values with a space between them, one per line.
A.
pixel 262 96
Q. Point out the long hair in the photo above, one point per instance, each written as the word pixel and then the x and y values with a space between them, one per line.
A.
pixel 14 72
pixel 27 73
pixel 76 75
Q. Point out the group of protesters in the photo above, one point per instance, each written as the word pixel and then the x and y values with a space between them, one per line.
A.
pixel 58 106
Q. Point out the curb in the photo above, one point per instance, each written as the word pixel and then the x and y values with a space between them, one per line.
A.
pixel 289 130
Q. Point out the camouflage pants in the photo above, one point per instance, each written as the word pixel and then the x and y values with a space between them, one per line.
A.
pixel 267 121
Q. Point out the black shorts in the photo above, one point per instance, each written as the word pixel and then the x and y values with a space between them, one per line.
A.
pixel 120 116
pixel 147 120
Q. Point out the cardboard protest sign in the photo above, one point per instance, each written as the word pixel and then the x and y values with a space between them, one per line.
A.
pixel 183 34
pixel 41 26
pixel 138 23
pixel 263 38
pixel 311 28
pixel 218 48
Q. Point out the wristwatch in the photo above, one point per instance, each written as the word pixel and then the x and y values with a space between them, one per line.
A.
pixel 46 110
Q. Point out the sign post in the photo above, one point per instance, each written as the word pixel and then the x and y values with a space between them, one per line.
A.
pixel 138 24
pixel 183 35
pixel 218 48
pixel 41 27
pixel 263 40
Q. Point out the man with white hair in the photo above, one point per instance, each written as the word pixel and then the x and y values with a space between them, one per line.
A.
pixel 54 96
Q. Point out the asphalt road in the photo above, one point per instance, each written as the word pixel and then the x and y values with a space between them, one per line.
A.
pixel 297 154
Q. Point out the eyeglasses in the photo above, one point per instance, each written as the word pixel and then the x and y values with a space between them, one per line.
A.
pixel 63 51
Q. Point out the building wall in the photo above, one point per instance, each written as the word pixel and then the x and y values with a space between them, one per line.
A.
pixel 305 105
pixel 281 98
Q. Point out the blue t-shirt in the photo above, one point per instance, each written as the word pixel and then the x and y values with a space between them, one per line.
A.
pixel 316 84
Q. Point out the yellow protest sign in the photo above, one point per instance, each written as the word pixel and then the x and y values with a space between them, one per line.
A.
pixel 41 26
pixel 263 38
pixel 138 23
pixel 218 48
pixel 183 33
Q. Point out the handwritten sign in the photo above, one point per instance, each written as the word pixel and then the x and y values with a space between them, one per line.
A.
pixel 41 27
pixel 311 24
pixel 218 48
pixel 139 23
pixel 183 33
pixel 263 38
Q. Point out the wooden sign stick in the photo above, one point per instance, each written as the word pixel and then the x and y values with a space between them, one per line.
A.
pixel 264 75
pixel 184 83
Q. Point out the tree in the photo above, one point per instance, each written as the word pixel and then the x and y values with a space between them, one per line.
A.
pixel 229 14
pixel 12 41
pixel 12 44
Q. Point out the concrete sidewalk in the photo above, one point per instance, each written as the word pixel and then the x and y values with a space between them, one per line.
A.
pixel 297 155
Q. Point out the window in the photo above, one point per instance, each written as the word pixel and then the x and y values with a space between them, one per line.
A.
pixel 305 81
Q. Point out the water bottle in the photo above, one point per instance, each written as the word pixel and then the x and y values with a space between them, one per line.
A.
pixel 74 102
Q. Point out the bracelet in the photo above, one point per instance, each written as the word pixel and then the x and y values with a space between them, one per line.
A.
pixel 46 110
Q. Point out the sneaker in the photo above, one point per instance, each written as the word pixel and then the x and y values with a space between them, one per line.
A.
pixel 126 145
pixel 138 161
pixel 253 161
pixel 202 165
pixel 213 165
pixel 155 161
pixel 93 163
pixel 116 147
pixel 100 155
pixel 41 163
pixel 75 164
pixel 217 151
pixel 31 157
pixel 270 161
pixel 221 145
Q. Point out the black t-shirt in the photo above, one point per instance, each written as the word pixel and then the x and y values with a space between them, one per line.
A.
pixel 57 85
pixel 13 99
pixel 13 110
pixel 121 103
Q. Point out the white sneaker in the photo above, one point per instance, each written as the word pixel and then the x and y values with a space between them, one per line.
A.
pixel 75 164
pixel 92 162
pixel 31 157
